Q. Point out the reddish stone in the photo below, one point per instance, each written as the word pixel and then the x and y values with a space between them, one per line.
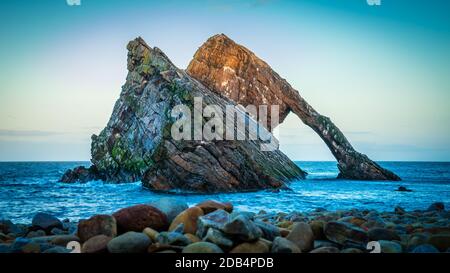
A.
pixel 137 218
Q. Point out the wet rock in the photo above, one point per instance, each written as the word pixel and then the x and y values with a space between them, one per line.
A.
pixel 243 229
pixel 341 232
pixel 171 207
pixel 130 242
pixel 172 238
pixel 438 206
pixel 188 218
pixel 216 219
pixel 6 226
pixel 403 189
pixel 217 237
pixel 440 241
pixel 283 245
pixel 390 247
pixel 82 175
pixel 57 231
pixel 253 247
pixel 138 217
pixel 209 206
pixel 96 244
pixel 5 248
pixel 45 222
pixel 269 231
pixel 302 235
pixel 376 234
pixel 97 225
pixel 425 248
pixel 202 247
pixel 37 233
pixel 325 249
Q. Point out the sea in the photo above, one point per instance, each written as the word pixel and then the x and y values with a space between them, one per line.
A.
pixel 30 187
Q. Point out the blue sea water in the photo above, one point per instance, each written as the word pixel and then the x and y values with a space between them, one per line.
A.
pixel 30 187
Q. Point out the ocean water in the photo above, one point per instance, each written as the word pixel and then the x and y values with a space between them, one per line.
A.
pixel 30 187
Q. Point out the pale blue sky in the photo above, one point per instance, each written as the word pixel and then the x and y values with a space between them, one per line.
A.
pixel 381 73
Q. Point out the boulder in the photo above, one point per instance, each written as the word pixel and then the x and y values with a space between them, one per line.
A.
pixel 342 232
pixel 217 237
pixel 283 245
pixel 243 229
pixel 137 143
pixel 269 231
pixel 188 218
pixel 96 244
pixel 253 247
pixel 302 235
pixel 217 219
pixel 171 207
pixel 97 225
pixel 209 206
pixel 45 222
pixel 81 175
pixel 425 248
pixel 172 238
pixel 138 217
pixel 130 242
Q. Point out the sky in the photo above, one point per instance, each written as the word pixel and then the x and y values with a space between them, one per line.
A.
pixel 381 73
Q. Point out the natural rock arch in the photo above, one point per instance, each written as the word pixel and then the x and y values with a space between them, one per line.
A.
pixel 235 72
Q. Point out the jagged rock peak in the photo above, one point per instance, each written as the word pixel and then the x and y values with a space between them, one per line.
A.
pixel 137 144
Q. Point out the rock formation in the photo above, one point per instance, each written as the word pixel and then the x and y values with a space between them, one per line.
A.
pixel 238 74
pixel 137 143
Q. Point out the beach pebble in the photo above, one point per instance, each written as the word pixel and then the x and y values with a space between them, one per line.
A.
pixel 253 247
pixel 243 229
pixel 440 241
pixel 96 244
pixel 202 247
pixel 325 249
pixel 390 247
pixel 269 231
pixel 438 206
pixel 425 248
pixel 151 233
pixel 217 219
pixel 172 238
pixel 188 218
pixel 376 234
pixel 97 225
pixel 130 242
pixel 302 235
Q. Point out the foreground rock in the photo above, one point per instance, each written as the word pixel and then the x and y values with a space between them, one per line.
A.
pixel 130 242
pixel 237 73
pixel 97 225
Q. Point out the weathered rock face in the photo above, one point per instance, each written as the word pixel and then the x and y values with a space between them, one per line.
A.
pixel 137 143
pixel 238 74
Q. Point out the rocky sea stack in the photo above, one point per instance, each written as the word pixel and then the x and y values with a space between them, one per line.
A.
pixel 137 143
pixel 233 71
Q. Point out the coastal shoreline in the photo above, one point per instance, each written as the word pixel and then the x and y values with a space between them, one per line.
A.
pixel 168 225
